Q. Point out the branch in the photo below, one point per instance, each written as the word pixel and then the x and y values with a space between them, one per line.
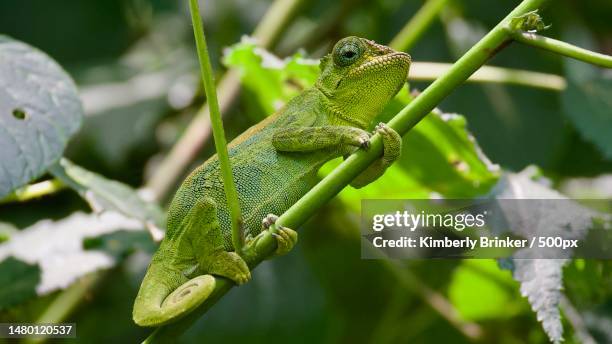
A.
pixel 231 195
pixel 427 71
pixel 563 48
pixel 434 300
pixel 421 20
pixel 574 317
pixel 195 136
pixel 28 192
pixel 407 118
pixel 63 304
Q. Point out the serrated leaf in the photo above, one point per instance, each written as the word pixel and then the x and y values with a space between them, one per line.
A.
pixel 108 195
pixel 57 247
pixel 18 280
pixel 541 279
pixel 541 283
pixel 40 110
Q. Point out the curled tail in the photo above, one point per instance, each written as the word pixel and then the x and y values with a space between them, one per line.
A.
pixel 158 302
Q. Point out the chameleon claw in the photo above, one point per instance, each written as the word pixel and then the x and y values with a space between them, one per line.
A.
pixel 285 238
pixel 381 128
pixel 268 221
pixel 243 278
pixel 364 142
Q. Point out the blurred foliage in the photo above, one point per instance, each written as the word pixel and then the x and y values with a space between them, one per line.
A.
pixel 134 64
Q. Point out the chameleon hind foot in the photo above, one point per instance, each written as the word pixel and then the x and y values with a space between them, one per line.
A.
pixel 286 238
pixel 230 265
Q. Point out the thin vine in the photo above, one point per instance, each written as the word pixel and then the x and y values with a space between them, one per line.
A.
pixel 231 195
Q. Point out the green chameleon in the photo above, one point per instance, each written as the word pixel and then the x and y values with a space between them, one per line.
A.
pixel 274 164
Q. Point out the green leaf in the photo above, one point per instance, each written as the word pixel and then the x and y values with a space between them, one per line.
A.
pixel 40 110
pixel 586 100
pixel 272 80
pixel 587 104
pixel 108 195
pixel 440 157
pixel 18 280
pixel 541 279
pixel 480 291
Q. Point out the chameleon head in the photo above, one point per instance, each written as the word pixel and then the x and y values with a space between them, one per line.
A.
pixel 360 76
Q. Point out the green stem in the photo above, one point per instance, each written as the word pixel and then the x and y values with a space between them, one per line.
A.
pixel 563 48
pixel 66 302
pixel 36 190
pixel 428 71
pixel 196 135
pixel 421 20
pixel 269 29
pixel 407 118
pixel 231 195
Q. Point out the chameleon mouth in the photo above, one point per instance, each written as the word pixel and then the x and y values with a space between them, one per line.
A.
pixel 381 63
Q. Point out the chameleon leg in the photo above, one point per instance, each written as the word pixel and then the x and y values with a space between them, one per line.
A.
pixel 230 265
pixel 167 293
pixel 207 245
pixel 343 139
pixel 392 148
pixel 286 238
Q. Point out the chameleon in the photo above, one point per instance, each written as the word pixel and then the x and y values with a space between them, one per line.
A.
pixel 274 163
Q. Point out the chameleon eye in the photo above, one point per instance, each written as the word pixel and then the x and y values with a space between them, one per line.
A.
pixel 347 52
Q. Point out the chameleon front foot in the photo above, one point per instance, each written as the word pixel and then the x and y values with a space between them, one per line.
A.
pixel 392 143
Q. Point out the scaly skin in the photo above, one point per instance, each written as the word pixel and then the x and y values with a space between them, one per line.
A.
pixel 274 164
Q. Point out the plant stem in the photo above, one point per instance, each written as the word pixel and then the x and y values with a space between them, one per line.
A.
pixel 563 48
pixel 269 29
pixel 66 302
pixel 231 195
pixel 436 301
pixel 36 190
pixel 407 118
pixel 575 319
pixel 413 30
pixel 195 136
pixel 427 71
pixel 197 133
